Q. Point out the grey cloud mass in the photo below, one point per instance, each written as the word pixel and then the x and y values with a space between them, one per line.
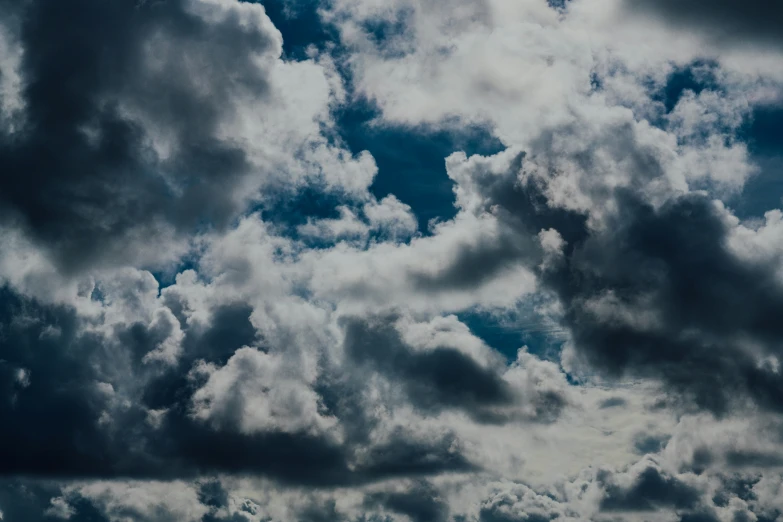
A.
pixel 756 21
pixel 81 173
pixel 436 379
pixel 655 292
pixel 216 307
pixel 649 491
pixel 67 419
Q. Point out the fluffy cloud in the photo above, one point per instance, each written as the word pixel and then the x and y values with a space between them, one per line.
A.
pixel 256 392
pixel 140 133
pixel 182 337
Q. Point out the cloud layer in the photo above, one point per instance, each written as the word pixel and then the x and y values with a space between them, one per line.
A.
pixel 209 311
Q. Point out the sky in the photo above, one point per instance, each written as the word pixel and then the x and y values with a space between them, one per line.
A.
pixel 391 261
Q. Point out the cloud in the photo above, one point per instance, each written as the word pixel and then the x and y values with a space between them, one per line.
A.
pixel 517 503
pixel 434 379
pixel 690 283
pixel 159 501
pixel 255 392
pixel 137 133
pixel 209 312
pixel 87 104
pixel 466 376
pixel 129 416
pixel 650 491
pixel 647 288
pixel 419 502
pixel 724 20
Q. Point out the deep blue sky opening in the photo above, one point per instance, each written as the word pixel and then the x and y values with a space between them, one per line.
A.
pixel 411 161
pixel 763 132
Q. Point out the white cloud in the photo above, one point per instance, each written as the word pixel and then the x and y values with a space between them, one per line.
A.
pixel 60 508
pixel 126 501
pixel 257 392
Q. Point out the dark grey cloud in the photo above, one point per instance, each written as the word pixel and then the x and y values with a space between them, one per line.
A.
pixel 525 212
pixel 613 402
pixel 52 422
pixel 325 511
pixel 736 485
pixel 55 427
pixel 650 491
pixel 474 265
pixel 81 176
pixel 696 304
pixel 420 502
pixel 30 500
pixel 754 459
pixel 404 457
pixel 21 501
pixel 212 493
pixel 701 459
pixel 644 443
pixel 751 21
pixel 519 503
pixel 434 380
pixel 229 330
pixel 700 516
pixel 74 407
pixel 494 515
pixel 706 302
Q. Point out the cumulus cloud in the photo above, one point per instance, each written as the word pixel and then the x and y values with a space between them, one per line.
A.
pixel 517 502
pixel 208 311
pixel 255 392
pixel 139 134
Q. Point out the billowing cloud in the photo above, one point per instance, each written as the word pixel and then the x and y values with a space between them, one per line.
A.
pixel 137 131
pixel 210 312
